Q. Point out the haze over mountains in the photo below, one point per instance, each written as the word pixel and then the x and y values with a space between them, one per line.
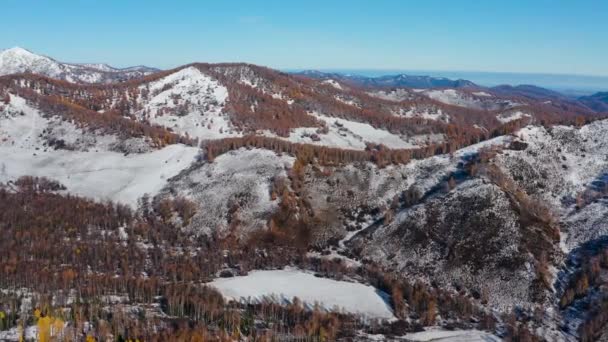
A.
pixel 571 85
pixel 477 213
pixel 424 82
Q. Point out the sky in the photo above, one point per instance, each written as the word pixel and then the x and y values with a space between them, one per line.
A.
pixel 539 36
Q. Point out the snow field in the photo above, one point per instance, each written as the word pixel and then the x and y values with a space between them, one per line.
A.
pixel 283 285
pixel 99 175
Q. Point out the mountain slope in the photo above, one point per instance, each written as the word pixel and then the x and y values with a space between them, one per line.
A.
pixel 19 60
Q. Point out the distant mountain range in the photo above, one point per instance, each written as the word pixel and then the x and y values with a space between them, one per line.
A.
pixel 19 60
pixel 597 102
pixel 394 81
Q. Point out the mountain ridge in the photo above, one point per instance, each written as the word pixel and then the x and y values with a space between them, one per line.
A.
pixel 398 80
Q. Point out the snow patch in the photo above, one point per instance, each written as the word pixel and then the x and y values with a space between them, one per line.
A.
pixel 333 83
pixel 100 175
pixel 283 285
pixel 511 116
pixel 347 134
pixel 452 336
pixel 189 102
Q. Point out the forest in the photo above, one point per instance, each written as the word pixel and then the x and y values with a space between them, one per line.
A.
pixel 66 258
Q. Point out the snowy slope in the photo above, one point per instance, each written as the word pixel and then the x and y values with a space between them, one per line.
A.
pixel 240 178
pixel 557 166
pixel 19 60
pixel 510 116
pixel 474 100
pixel 87 163
pixel 189 102
pixel 347 134
pixel 23 126
pixel 397 95
pixel 99 175
pixel 283 285
pixel 332 83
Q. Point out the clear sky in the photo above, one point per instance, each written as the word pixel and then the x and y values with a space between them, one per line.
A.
pixel 546 36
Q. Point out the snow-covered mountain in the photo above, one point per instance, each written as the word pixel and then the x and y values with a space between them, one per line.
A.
pixel 497 201
pixel 19 60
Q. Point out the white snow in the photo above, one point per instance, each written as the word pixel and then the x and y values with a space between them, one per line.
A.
pixel 425 112
pixel 452 336
pixel 19 60
pixel 482 94
pixel 510 116
pixel 242 176
pixel 448 96
pixel 200 97
pixel 284 285
pixel 333 83
pixel 397 95
pixel 100 175
pixel 475 100
pixel 21 124
pixel 565 160
pixel 347 101
pixel 453 97
pixel 24 126
pixel 347 134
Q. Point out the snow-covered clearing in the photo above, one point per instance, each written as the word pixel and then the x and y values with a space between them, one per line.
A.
pixel 99 175
pixel 333 83
pixel 428 113
pixel 452 336
pixel 452 97
pixel 283 285
pixel 397 95
pixel 510 116
pixel 347 134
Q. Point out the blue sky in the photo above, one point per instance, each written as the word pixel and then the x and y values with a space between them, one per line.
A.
pixel 558 36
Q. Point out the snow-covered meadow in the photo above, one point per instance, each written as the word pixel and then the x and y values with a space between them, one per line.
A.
pixel 283 285
pixel 100 175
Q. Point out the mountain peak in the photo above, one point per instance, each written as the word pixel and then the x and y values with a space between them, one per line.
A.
pixel 18 50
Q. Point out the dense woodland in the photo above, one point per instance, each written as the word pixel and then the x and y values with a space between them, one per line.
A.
pixel 70 256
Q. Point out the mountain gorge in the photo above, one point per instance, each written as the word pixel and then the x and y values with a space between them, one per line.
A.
pixel 450 207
